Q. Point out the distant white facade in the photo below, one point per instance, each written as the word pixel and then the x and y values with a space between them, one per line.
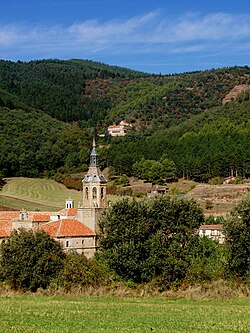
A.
pixel 119 130
pixel 214 231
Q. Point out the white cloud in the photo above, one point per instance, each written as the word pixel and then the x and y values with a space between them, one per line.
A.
pixel 152 32
pixel 10 35
pixel 217 26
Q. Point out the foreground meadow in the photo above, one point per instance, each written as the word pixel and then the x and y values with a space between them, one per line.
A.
pixel 111 314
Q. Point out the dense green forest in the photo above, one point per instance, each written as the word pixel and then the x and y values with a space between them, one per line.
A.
pixel 58 87
pixel 215 143
pixel 50 109
pixel 34 144
pixel 96 94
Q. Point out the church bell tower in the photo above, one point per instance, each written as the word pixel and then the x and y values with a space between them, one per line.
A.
pixel 94 192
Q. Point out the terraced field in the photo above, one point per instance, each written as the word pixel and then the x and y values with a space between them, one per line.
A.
pixel 36 194
pixel 223 197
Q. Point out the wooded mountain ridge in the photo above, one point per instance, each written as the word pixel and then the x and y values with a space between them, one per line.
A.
pixel 178 116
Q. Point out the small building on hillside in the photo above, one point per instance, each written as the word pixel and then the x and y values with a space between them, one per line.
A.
pixel 214 231
pixel 229 180
pixel 119 130
pixel 157 190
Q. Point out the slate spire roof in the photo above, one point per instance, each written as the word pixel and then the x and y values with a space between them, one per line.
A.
pixel 94 155
pixel 94 174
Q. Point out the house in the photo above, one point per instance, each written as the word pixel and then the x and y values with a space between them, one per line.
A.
pixel 157 190
pixel 228 180
pixel 119 130
pixel 214 231
pixel 76 229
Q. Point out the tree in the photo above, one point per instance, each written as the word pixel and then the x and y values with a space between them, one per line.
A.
pixel 78 271
pixel 142 240
pixel 30 260
pixel 237 239
pixel 168 169
pixel 208 204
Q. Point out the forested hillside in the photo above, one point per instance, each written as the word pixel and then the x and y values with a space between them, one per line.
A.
pixel 34 144
pixel 50 110
pixel 58 87
pixel 163 101
pixel 95 94
pixel 212 144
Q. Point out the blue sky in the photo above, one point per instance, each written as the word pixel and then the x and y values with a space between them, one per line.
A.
pixel 156 36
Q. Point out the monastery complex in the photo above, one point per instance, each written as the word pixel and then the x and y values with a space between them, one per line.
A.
pixel 75 228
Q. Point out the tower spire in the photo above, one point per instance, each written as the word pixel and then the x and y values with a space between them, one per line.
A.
pixel 94 192
pixel 94 155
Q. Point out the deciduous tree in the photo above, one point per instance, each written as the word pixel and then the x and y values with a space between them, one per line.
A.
pixel 30 260
pixel 237 233
pixel 141 240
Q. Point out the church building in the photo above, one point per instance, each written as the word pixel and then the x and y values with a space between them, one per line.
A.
pixel 75 228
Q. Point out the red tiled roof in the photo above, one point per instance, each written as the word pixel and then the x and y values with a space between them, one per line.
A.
pixel 40 217
pixel 114 126
pixel 66 227
pixel 68 212
pixel 211 227
pixel 5 228
pixel 33 216
pixel 9 215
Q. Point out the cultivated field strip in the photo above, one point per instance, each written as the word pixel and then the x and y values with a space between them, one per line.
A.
pixel 44 194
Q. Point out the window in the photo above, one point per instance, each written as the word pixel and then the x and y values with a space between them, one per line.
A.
pixel 86 193
pixel 94 192
pixel 102 193
pixel 67 244
pixel 69 204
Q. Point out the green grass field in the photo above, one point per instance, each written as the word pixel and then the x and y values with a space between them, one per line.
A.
pixel 42 314
pixel 33 194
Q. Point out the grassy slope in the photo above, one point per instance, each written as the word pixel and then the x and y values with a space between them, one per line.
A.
pixel 48 195
pixel 32 193
pixel 95 315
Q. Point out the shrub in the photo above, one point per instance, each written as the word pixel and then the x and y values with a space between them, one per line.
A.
pixel 216 181
pixel 79 271
pixel 237 239
pixel 123 180
pixel 125 192
pixel 209 204
pixel 208 263
pixel 30 260
pixel 215 220
pixel 111 188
